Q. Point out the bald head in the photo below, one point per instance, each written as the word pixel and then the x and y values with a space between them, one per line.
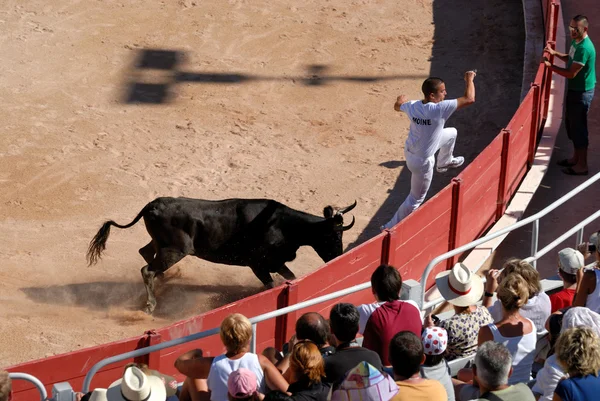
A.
pixel 312 326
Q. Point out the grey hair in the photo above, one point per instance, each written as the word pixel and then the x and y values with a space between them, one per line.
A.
pixel 493 362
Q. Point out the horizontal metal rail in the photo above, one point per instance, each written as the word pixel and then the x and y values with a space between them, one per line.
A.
pixel 498 233
pixel 32 379
pixel 257 319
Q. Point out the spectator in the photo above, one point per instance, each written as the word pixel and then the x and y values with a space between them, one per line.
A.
pixel 407 355
pixel 344 319
pixel 243 386
pixel 461 288
pixel 310 326
pixel 581 74
pixel 515 332
pixel 588 292
pixel 435 367
pixel 392 316
pixel 386 285
pixel 569 263
pixel 548 377
pixel 206 374
pixel 578 352
pixel 538 306
pixel 135 385
pixel 307 371
pixel 171 385
pixel 590 248
pixel 492 369
pixel 5 386
pixel 364 382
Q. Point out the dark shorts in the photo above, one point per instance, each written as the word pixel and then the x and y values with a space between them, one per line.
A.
pixel 578 105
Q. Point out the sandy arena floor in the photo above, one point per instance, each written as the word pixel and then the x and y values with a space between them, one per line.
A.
pixel 276 99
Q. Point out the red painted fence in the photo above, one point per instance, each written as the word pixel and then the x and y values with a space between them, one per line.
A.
pixel 458 214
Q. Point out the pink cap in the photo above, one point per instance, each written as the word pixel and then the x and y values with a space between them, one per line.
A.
pixel 242 383
pixel 435 340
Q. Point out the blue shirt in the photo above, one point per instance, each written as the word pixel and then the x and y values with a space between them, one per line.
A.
pixel 579 388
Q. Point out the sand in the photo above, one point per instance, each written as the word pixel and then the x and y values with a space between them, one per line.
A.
pixel 275 99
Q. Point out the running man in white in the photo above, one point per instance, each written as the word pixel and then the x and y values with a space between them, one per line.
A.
pixel 427 135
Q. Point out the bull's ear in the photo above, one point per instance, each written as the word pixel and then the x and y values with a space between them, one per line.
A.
pixel 328 212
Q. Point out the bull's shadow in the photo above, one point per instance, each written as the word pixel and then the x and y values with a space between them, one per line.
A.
pixel 172 64
pixel 176 300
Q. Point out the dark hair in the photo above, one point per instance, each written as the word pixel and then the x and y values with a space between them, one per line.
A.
pixel 406 353
pixel 569 278
pixel 433 360
pixel 344 320
pixel 581 18
pixel 430 85
pixel 386 283
pixel 554 327
pixel 276 395
pixel 312 326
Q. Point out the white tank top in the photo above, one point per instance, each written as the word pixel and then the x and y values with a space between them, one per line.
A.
pixel 522 350
pixel 593 299
pixel 223 366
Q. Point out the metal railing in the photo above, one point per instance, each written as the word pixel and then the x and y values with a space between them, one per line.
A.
pixel 534 243
pixel 270 315
pixel 32 379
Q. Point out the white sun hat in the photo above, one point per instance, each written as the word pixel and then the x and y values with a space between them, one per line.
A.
pixel 137 386
pixel 459 285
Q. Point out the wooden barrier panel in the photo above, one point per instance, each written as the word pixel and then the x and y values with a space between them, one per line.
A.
pixel 422 236
pixel 479 193
pixel 352 268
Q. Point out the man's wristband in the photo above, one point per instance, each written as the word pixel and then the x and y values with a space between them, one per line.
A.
pixel 488 294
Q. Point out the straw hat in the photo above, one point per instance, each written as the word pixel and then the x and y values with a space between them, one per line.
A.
pixel 459 286
pixel 137 386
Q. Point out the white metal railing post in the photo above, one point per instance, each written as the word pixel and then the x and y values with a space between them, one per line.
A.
pixel 32 379
pixel 535 235
pixel 579 236
pixel 253 343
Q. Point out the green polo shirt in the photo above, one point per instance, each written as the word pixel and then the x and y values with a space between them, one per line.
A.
pixel 583 53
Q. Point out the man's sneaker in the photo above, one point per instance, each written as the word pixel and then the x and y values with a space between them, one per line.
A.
pixel 456 162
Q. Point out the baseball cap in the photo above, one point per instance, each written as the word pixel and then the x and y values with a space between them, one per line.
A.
pixel 435 340
pixel 570 260
pixel 242 383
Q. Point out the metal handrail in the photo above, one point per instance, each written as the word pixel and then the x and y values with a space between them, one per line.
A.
pixel 498 233
pixel 257 319
pixel 32 379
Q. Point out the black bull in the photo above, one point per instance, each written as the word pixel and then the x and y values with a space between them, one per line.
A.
pixel 260 233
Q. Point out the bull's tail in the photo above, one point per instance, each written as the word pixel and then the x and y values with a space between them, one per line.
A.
pixel 98 243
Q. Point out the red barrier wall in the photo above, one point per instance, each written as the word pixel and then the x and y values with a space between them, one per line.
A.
pixel 458 214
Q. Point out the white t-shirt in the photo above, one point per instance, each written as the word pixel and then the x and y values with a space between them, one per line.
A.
pixel 365 311
pixel 537 309
pixel 426 123
pixel 547 379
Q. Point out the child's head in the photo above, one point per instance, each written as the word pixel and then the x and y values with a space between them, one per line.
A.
pixel 242 385
pixel 569 262
pixel 435 341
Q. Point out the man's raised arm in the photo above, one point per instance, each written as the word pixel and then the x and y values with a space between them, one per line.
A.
pixel 469 97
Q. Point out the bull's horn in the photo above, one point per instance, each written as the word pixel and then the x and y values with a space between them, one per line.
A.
pixel 349 226
pixel 347 209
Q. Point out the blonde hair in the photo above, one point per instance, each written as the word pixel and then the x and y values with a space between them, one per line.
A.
pixel 5 385
pixel 236 331
pixel 513 292
pixel 578 350
pixel 525 270
pixel 306 361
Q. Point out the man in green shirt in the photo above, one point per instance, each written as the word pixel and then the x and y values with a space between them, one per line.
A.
pixel 581 73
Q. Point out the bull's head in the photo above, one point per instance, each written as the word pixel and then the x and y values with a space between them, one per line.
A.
pixel 328 243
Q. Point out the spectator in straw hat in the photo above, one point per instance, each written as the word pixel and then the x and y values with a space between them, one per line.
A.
pixel 588 291
pixel 5 386
pixel 135 385
pixel 569 263
pixel 435 367
pixel 463 289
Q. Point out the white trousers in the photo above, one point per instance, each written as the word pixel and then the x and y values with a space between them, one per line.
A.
pixel 421 170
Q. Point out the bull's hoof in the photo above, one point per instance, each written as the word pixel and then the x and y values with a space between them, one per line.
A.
pixel 150 306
